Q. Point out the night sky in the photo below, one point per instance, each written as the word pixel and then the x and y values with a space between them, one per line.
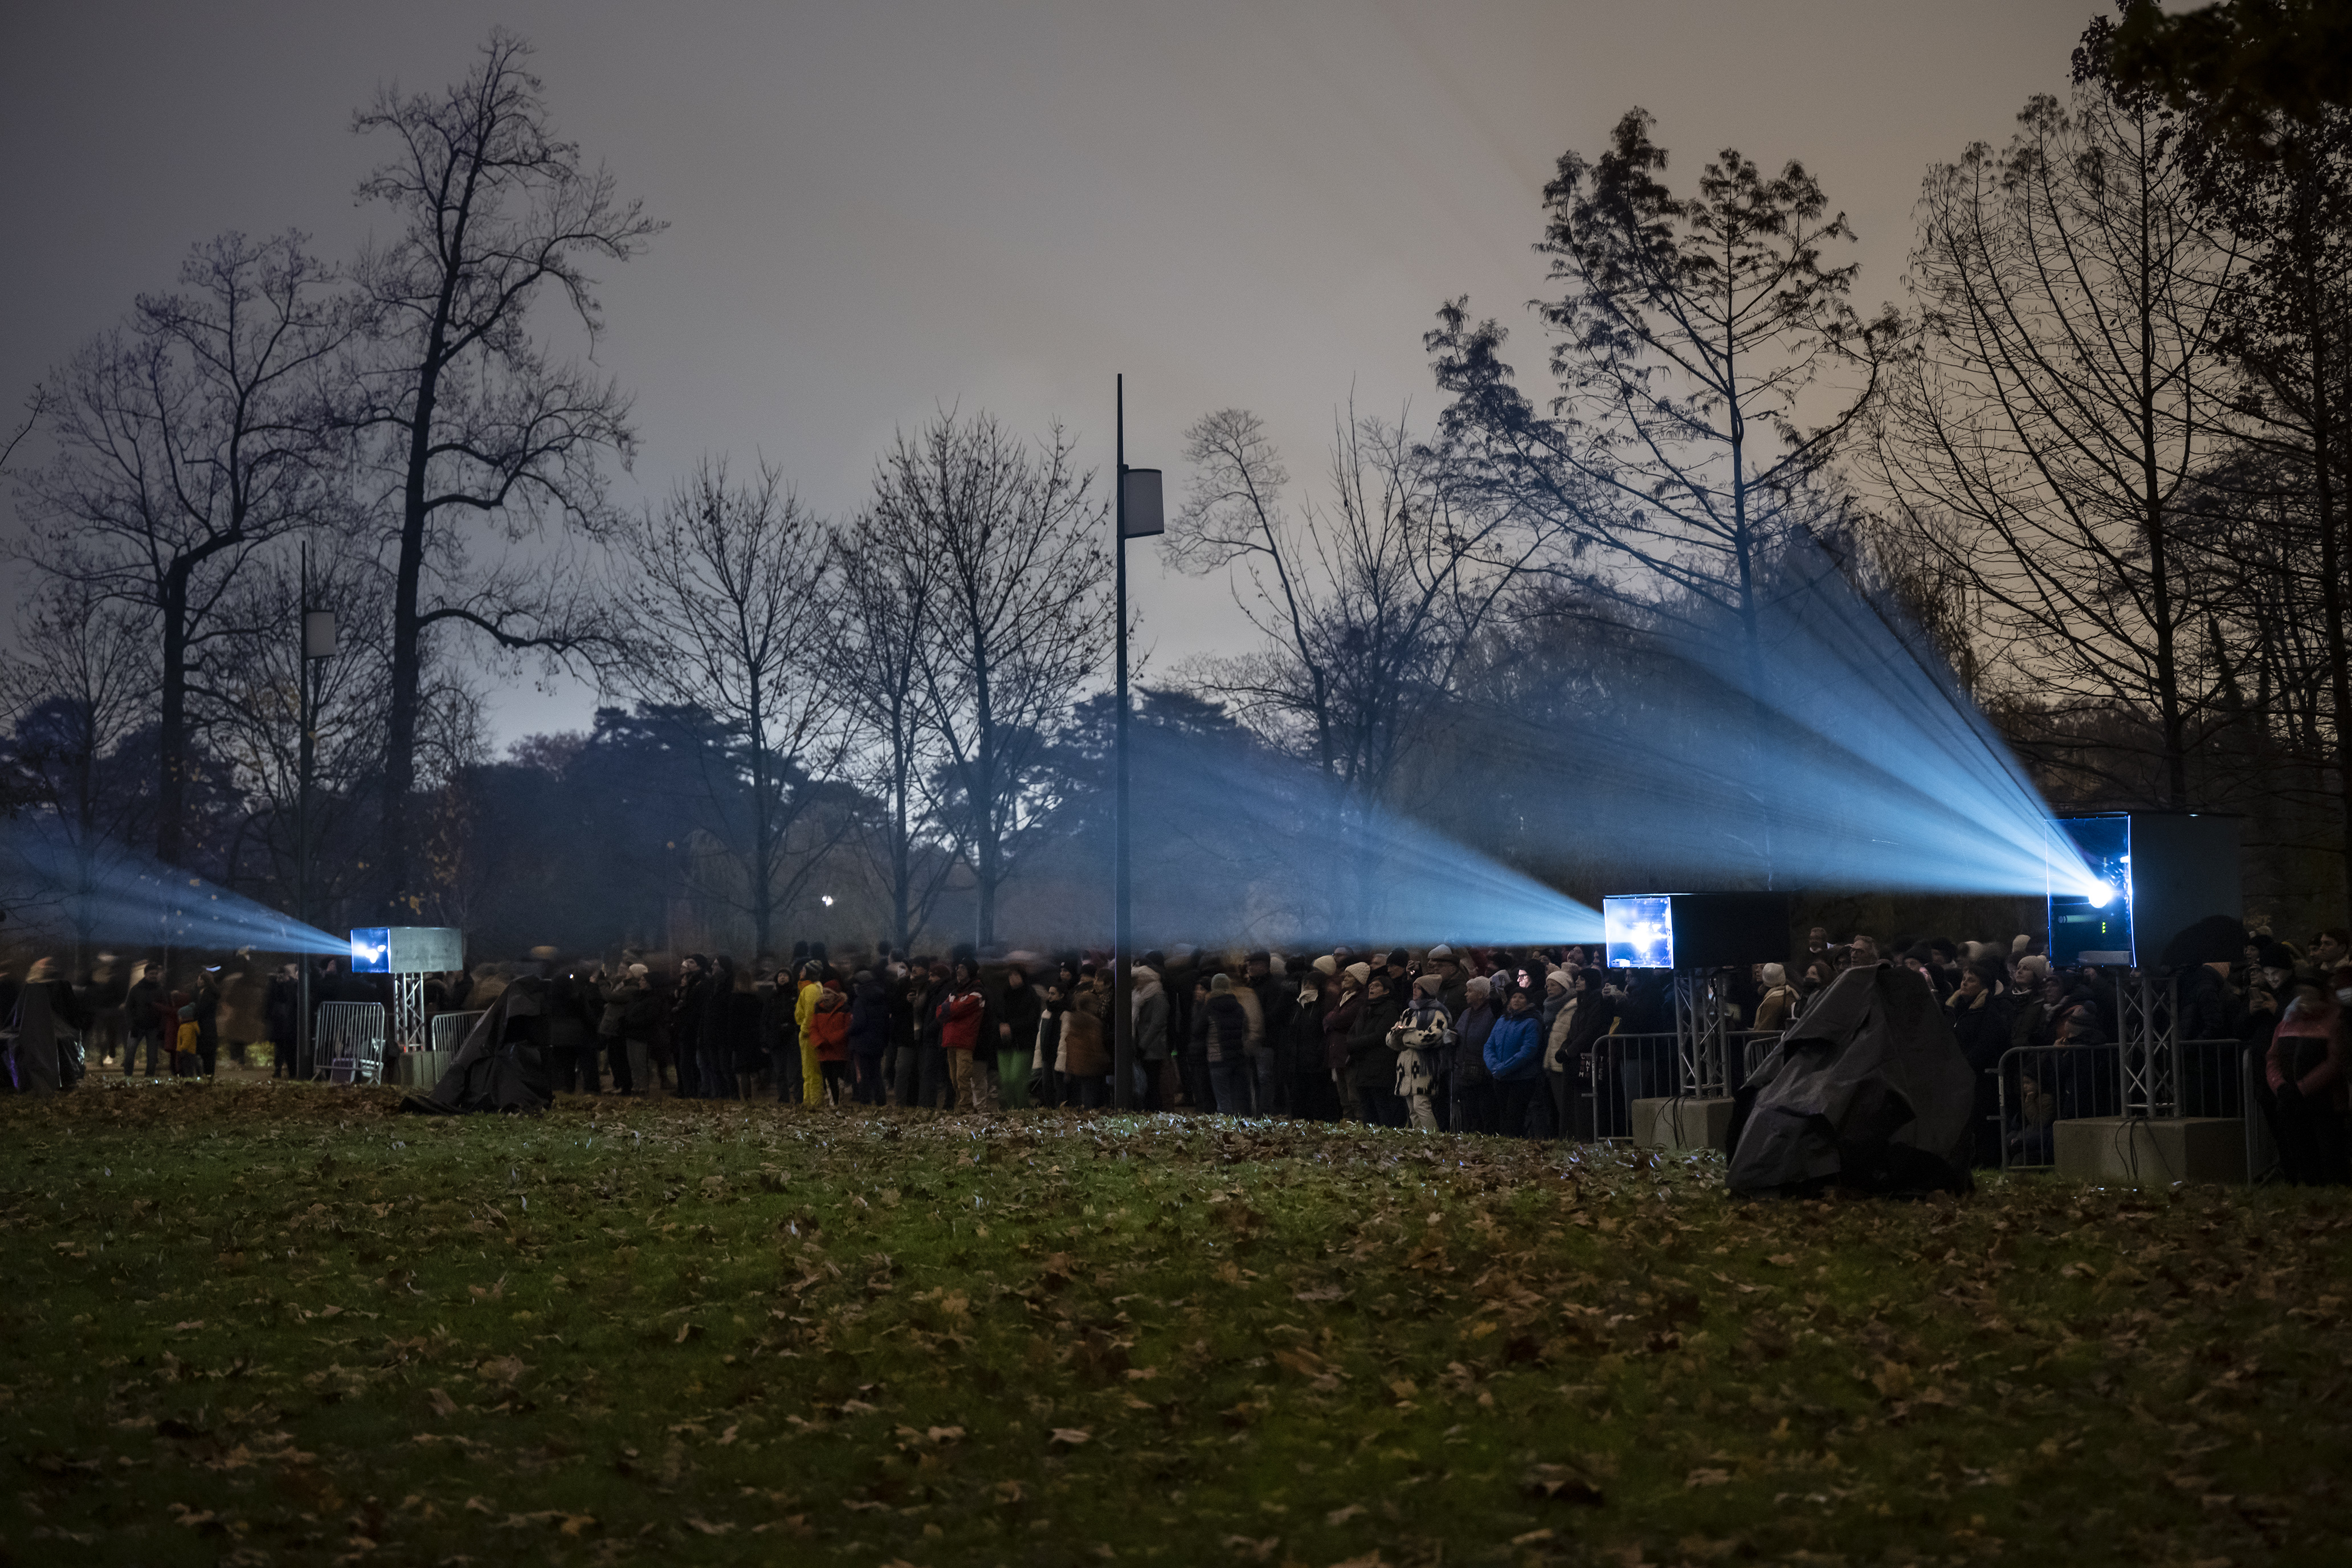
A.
pixel 880 209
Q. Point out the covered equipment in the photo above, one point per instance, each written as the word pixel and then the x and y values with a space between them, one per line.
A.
pixel 502 1064
pixel 1868 1090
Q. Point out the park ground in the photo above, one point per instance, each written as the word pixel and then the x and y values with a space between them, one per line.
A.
pixel 250 1324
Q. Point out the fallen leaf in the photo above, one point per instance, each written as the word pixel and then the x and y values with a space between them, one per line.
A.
pixel 1705 1477
pixel 441 1402
pixel 1339 1516
pixel 1072 1436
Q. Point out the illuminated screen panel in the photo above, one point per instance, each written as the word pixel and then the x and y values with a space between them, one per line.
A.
pixel 1639 929
pixel 2096 928
pixel 372 951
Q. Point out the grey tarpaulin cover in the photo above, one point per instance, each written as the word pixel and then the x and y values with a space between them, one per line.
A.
pixel 502 1064
pixel 1867 1089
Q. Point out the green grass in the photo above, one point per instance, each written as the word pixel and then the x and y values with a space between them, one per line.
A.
pixel 265 1324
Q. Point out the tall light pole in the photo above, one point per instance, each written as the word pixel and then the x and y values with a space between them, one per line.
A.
pixel 318 644
pixel 1137 517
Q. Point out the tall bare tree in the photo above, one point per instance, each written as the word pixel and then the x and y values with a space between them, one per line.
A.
pixel 186 440
pixel 1369 604
pixel 723 598
pixel 481 429
pixel 2061 394
pixel 1691 343
pixel 873 646
pixel 1017 619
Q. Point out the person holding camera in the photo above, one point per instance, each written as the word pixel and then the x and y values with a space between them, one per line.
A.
pixel 1419 1038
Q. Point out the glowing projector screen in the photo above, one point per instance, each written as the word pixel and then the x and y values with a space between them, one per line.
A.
pixel 1638 930
pixel 408 950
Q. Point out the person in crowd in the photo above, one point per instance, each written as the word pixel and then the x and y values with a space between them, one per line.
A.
pixel 1472 1097
pixel 45 1019
pixel 1017 1013
pixel 869 1035
pixel 1310 1080
pixel 2305 1073
pixel 1149 1000
pixel 142 1024
pixel 1780 1003
pixel 1978 1009
pixel 1254 1051
pixel 811 986
pixel 960 1023
pixel 1340 1020
pixel 1419 1039
pixel 2330 948
pixel 207 1004
pixel 685 1033
pixel 1514 1054
pixel 1564 1006
pixel 570 1036
pixel 828 1036
pixel 1220 1027
pixel 1086 1037
pixel 716 1048
pixel 1371 1060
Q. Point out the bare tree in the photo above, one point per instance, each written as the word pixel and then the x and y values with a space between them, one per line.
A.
pixel 187 439
pixel 1017 619
pixel 2062 394
pixel 723 603
pixel 1694 337
pixel 474 420
pixel 1367 604
pixel 74 696
pixel 874 648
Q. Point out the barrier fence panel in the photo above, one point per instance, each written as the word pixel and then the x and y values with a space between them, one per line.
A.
pixel 448 1030
pixel 2039 1086
pixel 349 1041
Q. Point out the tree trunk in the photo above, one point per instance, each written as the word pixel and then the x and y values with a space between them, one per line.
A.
pixel 172 734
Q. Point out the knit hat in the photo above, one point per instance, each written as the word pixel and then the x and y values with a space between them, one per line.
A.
pixel 1775 974
pixel 1326 966
pixel 1398 958
pixel 1478 988
pixel 638 971
pixel 1557 977
pixel 1440 953
pixel 1222 983
pixel 2033 967
pixel 1145 975
pixel 1361 972
pixel 1427 984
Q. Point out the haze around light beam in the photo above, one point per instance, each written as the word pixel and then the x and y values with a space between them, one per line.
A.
pixel 69 888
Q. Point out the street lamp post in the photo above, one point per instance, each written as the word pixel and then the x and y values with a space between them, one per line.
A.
pixel 318 642
pixel 1138 516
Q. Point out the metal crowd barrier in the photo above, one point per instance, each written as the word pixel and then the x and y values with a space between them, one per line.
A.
pixel 447 1031
pixel 349 1041
pixel 1623 1069
pixel 2039 1086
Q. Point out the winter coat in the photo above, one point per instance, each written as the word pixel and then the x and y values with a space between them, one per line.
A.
pixel 1470 1056
pixel 1371 1060
pixel 1338 1024
pixel 1223 1026
pixel 1016 1011
pixel 1085 1052
pixel 2307 1051
pixel 1419 1038
pixel 1558 1032
pixel 1150 1022
pixel 1980 1025
pixel 45 1012
pixel 869 1019
pixel 1514 1048
pixel 1778 1009
pixel 828 1028
pixel 959 1020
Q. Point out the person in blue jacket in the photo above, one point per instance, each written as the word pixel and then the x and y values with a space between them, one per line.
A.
pixel 1515 1055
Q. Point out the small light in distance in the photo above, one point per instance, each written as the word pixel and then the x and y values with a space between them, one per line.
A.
pixel 825 899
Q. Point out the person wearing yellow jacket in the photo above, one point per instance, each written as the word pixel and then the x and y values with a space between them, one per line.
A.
pixel 803 1009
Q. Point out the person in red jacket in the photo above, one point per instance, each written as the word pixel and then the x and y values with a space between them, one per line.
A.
pixel 829 1033
pixel 2305 1073
pixel 959 1020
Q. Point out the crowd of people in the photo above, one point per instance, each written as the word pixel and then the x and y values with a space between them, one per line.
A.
pixel 1531 1042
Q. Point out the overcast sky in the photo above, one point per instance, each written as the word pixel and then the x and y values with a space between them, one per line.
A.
pixel 879 208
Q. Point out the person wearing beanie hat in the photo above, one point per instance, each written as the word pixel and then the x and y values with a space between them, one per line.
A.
pixel 1340 1013
pixel 1470 1094
pixel 1361 973
pixel 1420 1038
pixel 1440 953
pixel 1328 967
pixel 1222 1027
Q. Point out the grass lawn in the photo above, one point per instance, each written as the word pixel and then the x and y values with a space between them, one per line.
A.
pixel 261 1324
